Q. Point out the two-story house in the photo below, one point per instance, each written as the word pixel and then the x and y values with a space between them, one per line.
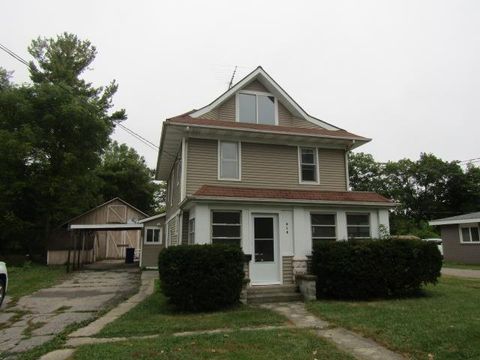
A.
pixel 253 168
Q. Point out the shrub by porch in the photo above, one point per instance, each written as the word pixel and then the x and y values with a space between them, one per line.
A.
pixel 202 277
pixel 374 268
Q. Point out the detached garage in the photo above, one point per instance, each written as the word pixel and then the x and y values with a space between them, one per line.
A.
pixel 104 232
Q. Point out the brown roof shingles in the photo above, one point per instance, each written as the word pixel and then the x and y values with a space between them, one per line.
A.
pixel 341 134
pixel 310 195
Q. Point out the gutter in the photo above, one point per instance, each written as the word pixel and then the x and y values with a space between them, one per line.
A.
pixel 287 201
pixel 360 139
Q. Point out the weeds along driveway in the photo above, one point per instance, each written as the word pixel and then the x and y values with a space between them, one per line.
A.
pixel 37 318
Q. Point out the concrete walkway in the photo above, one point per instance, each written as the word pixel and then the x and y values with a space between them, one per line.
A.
pixel 83 336
pixel 464 273
pixel 39 317
pixel 348 341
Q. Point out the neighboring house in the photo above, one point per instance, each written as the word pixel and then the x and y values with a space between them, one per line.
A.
pixel 108 230
pixel 460 237
pixel 153 240
pixel 253 168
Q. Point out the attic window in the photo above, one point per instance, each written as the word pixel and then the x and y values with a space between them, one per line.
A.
pixel 256 108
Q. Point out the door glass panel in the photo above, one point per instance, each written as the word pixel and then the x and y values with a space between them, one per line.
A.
pixel 263 228
pixel 263 250
pixel 264 241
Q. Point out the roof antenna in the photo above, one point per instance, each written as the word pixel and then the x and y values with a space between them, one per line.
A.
pixel 233 76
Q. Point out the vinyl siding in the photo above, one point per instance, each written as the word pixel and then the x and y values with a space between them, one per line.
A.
pixel 261 164
pixel 453 250
pixel 185 218
pixel 150 251
pixel 172 206
pixel 227 110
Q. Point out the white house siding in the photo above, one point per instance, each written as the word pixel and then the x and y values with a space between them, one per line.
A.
pixel 294 227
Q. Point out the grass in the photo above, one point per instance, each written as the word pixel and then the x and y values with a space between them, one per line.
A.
pixel 459 265
pixel 251 345
pixel 445 322
pixel 32 277
pixel 155 316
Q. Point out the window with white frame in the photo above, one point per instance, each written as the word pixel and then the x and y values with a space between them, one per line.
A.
pixel 229 160
pixel 257 108
pixel 358 226
pixel 191 231
pixel 308 166
pixel 153 236
pixel 469 233
pixel 324 227
pixel 226 227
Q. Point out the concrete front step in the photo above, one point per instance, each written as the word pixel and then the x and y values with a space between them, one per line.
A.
pixel 268 289
pixel 273 293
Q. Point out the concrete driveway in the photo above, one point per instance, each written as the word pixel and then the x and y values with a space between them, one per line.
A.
pixel 38 317
pixel 465 273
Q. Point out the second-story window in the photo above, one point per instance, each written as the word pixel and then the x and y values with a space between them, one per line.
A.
pixel 229 160
pixel 256 108
pixel 308 165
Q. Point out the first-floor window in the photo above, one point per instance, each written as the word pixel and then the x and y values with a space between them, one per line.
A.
pixel 191 231
pixel 358 226
pixel 226 227
pixel 323 227
pixel 153 236
pixel 470 234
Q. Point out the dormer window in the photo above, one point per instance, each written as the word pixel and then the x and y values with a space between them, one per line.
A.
pixel 256 108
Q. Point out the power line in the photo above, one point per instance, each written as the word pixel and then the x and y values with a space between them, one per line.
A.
pixel 145 141
pixel 471 160
pixel 15 56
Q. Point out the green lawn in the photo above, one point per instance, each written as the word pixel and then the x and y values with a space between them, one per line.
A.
pixel 32 277
pixel 155 316
pixel 445 322
pixel 458 265
pixel 251 345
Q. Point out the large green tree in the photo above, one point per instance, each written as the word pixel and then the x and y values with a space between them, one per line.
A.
pixel 52 135
pixel 124 173
pixel 425 189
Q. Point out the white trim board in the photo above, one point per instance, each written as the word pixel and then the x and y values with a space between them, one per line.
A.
pixel 266 80
pixel 453 222
pixel 133 226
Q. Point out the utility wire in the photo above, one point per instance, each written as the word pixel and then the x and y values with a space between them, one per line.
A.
pixel 471 160
pixel 145 141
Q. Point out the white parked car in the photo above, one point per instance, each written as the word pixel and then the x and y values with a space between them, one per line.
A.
pixel 3 281
pixel 438 242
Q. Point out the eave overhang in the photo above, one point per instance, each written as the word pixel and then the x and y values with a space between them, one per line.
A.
pixel 173 132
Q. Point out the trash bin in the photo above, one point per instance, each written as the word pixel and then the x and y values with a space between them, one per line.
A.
pixel 129 255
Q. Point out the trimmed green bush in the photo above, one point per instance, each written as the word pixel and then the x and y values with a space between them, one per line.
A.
pixel 374 268
pixel 201 277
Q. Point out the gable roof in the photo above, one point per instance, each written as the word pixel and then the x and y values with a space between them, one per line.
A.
pixel 459 219
pixel 101 205
pixel 242 193
pixel 271 85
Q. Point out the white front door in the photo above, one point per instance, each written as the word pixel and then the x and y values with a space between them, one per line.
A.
pixel 265 266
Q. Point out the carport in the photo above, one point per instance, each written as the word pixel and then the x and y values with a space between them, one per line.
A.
pixel 101 233
pixel 80 240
